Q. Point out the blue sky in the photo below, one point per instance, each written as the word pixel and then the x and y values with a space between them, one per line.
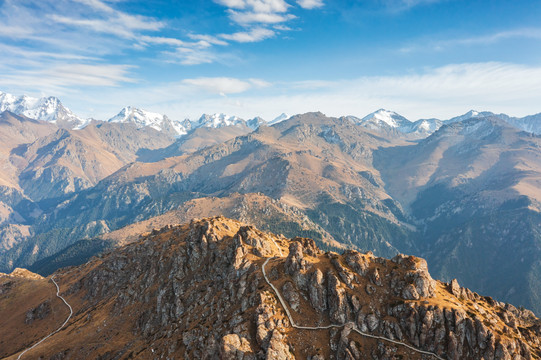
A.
pixel 421 58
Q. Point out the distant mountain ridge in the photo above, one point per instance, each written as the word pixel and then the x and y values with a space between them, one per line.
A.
pixel 385 120
pixel 46 108
pixel 51 109
pixel 142 118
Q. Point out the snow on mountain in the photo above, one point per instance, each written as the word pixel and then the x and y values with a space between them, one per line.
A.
pixel 46 108
pixel 143 118
pixel 218 121
pixel 279 118
pixel 531 123
pixel 477 114
pixel 255 122
pixel 385 118
pixel 425 126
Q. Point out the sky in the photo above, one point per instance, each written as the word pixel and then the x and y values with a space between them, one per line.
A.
pixel 420 58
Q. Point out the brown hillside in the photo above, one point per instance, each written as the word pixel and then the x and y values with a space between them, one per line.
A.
pixel 198 291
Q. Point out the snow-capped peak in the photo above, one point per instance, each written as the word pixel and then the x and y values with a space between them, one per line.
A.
pixel 472 114
pixel 385 117
pixel 279 118
pixel 45 108
pixel 255 122
pixel 143 118
pixel 425 126
pixel 139 117
pixel 218 121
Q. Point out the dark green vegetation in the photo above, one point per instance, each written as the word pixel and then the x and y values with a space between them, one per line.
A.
pixel 361 229
pixel 74 255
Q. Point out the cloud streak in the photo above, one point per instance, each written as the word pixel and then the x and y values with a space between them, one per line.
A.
pixel 60 79
pixel 224 85
pixel 254 35
pixel 310 4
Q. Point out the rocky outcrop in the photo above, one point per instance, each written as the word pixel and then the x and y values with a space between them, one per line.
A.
pixel 197 291
pixel 38 313
pixel 233 347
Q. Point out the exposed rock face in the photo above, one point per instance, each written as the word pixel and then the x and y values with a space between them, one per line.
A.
pixel 234 347
pixel 197 292
pixel 318 293
pixel 38 313
pixel 416 283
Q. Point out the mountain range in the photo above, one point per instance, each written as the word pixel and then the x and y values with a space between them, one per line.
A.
pixel 464 194
pixel 51 109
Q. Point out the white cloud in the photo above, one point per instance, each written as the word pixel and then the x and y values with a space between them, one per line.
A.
pixel 225 85
pixel 402 5
pixel 259 17
pixel 253 35
pixel 478 40
pixel 245 12
pixel 310 4
pixel 15 31
pixel 235 4
pixel 190 56
pixel 158 40
pixel 267 6
pixel 207 38
pixel 119 24
pixel 89 75
pixel 529 33
pixel 97 5
pixel 59 79
pixel 40 55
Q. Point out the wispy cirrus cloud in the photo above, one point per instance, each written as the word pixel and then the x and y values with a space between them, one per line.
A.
pixel 254 35
pixel 225 85
pixel 190 56
pixel 260 6
pixel 525 33
pixel 207 38
pixel 401 5
pixel 310 4
pixel 247 17
pixel 108 20
pixel 60 78
pixel 473 40
pixel 248 12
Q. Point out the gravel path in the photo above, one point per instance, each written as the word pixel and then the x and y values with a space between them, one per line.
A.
pixel 57 330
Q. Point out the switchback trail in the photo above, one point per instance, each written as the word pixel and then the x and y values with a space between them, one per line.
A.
pixel 57 330
pixel 294 325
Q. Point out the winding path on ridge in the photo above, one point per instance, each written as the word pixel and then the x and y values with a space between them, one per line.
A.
pixel 354 328
pixel 57 330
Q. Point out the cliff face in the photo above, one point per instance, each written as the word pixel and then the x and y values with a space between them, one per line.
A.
pixel 216 288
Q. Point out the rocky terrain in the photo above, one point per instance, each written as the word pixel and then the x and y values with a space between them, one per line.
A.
pixel 466 198
pixel 203 290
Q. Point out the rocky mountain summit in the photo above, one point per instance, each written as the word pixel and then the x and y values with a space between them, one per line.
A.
pixel 216 288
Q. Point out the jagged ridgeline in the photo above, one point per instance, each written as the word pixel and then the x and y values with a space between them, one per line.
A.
pixel 463 193
pixel 217 288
